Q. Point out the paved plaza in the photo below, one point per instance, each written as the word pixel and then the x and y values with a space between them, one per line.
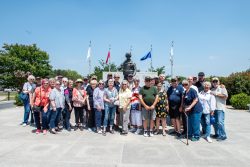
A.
pixel 20 147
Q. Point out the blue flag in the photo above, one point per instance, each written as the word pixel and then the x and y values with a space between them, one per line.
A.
pixel 146 56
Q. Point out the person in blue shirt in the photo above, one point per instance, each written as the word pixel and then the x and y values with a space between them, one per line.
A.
pixel 174 95
pixel 193 108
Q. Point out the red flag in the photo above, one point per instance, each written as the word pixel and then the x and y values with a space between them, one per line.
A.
pixel 108 57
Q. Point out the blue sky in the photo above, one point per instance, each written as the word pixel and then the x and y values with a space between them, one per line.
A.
pixel 211 36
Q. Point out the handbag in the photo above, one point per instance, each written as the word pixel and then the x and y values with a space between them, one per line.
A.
pixel 23 96
pixel 117 103
pixel 38 108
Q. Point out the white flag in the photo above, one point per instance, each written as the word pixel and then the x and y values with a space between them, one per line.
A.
pixel 171 53
pixel 89 53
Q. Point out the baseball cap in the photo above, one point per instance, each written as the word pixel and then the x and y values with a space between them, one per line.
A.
pixel 215 79
pixel 147 78
pixel 201 74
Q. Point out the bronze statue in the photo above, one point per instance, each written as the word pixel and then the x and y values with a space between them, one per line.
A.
pixel 128 67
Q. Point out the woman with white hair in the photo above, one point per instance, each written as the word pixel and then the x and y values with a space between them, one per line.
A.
pixel 99 105
pixel 193 109
pixel 125 95
pixel 90 105
pixel 109 97
pixel 26 96
pixel 208 103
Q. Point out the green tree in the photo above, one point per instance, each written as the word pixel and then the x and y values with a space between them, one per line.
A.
pixel 18 61
pixel 103 67
pixel 159 70
pixel 70 74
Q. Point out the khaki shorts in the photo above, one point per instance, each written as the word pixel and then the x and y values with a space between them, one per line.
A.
pixel 148 114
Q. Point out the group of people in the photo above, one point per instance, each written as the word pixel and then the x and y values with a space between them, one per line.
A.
pixel 107 106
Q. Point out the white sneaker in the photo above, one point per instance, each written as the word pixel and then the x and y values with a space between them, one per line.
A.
pixel 99 131
pixel 209 140
pixel 89 129
pixel 151 134
pixel 145 134
pixel 24 124
pixel 138 131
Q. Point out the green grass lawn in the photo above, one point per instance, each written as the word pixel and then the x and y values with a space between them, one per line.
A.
pixel 4 96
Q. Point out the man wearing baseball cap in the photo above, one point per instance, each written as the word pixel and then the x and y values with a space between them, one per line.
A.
pixel 148 96
pixel 200 83
pixel 221 95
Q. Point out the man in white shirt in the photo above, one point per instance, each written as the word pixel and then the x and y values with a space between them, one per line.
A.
pixel 221 95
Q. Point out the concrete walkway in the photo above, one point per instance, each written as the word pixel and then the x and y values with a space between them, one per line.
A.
pixel 20 147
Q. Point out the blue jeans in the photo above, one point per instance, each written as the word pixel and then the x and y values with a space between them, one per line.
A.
pixel 219 126
pixel 98 117
pixel 194 119
pixel 58 116
pixel 205 123
pixel 109 116
pixel 53 116
pixel 26 105
pixel 45 121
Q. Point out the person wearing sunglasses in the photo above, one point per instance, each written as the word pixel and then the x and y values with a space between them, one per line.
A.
pixel 90 105
pixel 68 93
pixel 148 96
pixel 99 105
pixel 192 106
pixel 125 95
pixel 174 95
pixel 28 90
pixel 79 99
pixel 117 85
pixel 200 83
pixel 57 104
pixel 208 104
pixel 221 95
pixel 40 104
pixel 109 97
pixel 161 109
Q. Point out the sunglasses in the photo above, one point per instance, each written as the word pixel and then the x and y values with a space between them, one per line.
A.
pixel 116 77
pixel 215 81
pixel 101 83
pixel 46 83
pixel 124 84
pixel 184 84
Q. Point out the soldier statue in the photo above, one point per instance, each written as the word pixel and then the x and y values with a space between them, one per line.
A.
pixel 128 67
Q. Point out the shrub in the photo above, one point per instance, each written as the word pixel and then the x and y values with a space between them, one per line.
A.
pixel 18 100
pixel 240 101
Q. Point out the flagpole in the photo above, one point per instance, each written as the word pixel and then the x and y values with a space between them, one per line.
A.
pixel 109 57
pixel 90 58
pixel 172 59
pixel 151 62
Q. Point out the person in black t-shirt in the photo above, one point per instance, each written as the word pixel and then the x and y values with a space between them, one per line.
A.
pixel 200 83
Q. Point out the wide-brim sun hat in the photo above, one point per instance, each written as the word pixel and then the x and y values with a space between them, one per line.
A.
pixel 79 81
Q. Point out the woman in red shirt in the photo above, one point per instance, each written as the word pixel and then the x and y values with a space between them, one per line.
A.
pixel 40 103
pixel 79 99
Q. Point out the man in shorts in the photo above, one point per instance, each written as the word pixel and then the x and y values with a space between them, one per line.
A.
pixel 148 98
pixel 174 94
